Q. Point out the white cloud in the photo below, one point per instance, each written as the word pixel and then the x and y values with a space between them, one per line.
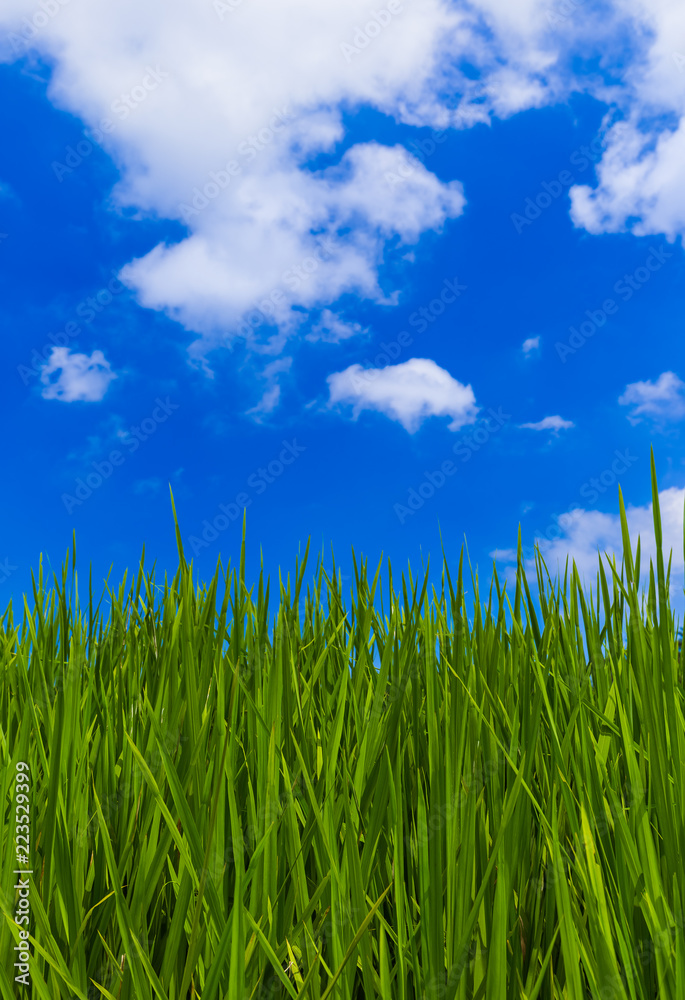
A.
pixel 151 485
pixel 503 555
pixel 663 399
pixel 81 378
pixel 639 182
pixel 409 393
pixel 584 533
pixel 554 424
pixel 257 256
pixel 241 96
pixel 530 344
pixel 272 394
pixel 244 100
pixel 332 329
pixel 639 175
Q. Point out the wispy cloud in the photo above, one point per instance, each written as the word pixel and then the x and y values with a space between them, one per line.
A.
pixel 530 345
pixel 272 394
pixel 73 378
pixel 408 393
pixel 332 329
pixel 660 400
pixel 7 192
pixel 151 485
pixel 554 424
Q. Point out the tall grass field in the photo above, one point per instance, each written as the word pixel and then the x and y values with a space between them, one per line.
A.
pixel 231 792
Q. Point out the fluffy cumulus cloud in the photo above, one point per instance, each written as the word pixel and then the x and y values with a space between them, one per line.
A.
pixel 554 424
pixel 530 344
pixel 583 536
pixel 285 249
pixel 662 400
pixel 216 112
pixel 73 378
pixel 409 393
pixel 639 175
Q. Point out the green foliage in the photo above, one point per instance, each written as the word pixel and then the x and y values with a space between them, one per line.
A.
pixel 374 799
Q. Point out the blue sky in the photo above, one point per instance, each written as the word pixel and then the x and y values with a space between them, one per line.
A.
pixel 465 285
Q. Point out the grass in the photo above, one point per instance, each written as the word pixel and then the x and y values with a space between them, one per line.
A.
pixel 226 806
